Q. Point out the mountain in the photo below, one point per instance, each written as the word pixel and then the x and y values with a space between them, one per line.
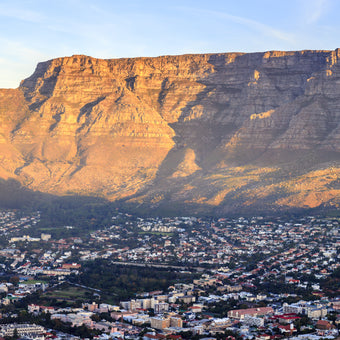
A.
pixel 192 133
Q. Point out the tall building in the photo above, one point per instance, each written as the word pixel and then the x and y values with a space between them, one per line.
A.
pixel 159 322
pixel 176 321
pixel 161 307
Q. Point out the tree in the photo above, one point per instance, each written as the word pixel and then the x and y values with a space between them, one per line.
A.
pixel 95 317
pixel 331 316
pixel 15 334
pixel 14 279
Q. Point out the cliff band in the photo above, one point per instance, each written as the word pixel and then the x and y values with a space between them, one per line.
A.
pixel 210 132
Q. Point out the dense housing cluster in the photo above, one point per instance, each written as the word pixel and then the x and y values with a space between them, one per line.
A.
pixel 253 277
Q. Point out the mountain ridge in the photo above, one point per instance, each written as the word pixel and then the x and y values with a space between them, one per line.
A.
pixel 218 131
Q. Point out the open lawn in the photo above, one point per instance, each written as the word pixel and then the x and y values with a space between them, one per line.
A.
pixel 68 293
pixel 31 282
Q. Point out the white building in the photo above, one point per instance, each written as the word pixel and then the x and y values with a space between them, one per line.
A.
pixel 253 321
pixel 22 329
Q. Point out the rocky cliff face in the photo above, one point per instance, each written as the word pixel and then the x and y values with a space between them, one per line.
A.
pixel 213 132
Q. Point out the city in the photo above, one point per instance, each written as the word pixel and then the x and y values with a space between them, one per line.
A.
pixel 250 278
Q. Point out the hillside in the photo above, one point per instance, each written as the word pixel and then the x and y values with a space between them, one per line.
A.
pixel 200 133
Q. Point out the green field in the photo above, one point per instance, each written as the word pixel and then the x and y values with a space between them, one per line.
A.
pixel 68 294
pixel 31 282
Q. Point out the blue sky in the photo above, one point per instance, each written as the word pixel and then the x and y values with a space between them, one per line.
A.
pixel 39 30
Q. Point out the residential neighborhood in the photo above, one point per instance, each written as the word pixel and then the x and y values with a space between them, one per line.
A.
pixel 252 278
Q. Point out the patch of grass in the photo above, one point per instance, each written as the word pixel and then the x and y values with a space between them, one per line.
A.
pixel 31 282
pixel 68 293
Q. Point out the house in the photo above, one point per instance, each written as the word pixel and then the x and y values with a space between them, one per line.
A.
pixel 241 313
pixel 287 329
pixel 71 266
pixel 324 325
pixel 263 337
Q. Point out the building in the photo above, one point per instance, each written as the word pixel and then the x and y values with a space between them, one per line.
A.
pixel 159 322
pixel 71 266
pixel 324 325
pixel 294 308
pixel 161 307
pixel 3 288
pixel 122 315
pixel 220 324
pixel 287 330
pixel 90 306
pixel 56 272
pixel 255 312
pixel 125 305
pixel 316 313
pixel 134 305
pixel 253 321
pixel 45 237
pixel 146 303
pixel 187 299
pixel 25 238
pixel 196 308
pixel 22 329
pixel 176 321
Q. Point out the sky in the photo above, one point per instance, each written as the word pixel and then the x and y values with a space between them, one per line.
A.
pixel 32 31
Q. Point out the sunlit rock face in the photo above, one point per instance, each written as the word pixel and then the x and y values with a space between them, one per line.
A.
pixel 202 133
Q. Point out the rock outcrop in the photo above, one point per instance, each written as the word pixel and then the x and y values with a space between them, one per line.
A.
pixel 212 132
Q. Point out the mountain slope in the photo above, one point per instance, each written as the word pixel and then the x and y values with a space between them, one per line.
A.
pixel 213 132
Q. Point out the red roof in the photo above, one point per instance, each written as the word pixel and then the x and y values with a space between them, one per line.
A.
pixel 152 336
pixel 288 317
pixel 324 324
pixel 287 328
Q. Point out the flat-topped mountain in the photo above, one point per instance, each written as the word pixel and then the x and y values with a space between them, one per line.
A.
pixel 208 133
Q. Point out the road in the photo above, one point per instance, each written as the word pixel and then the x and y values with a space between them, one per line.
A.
pixel 159 265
